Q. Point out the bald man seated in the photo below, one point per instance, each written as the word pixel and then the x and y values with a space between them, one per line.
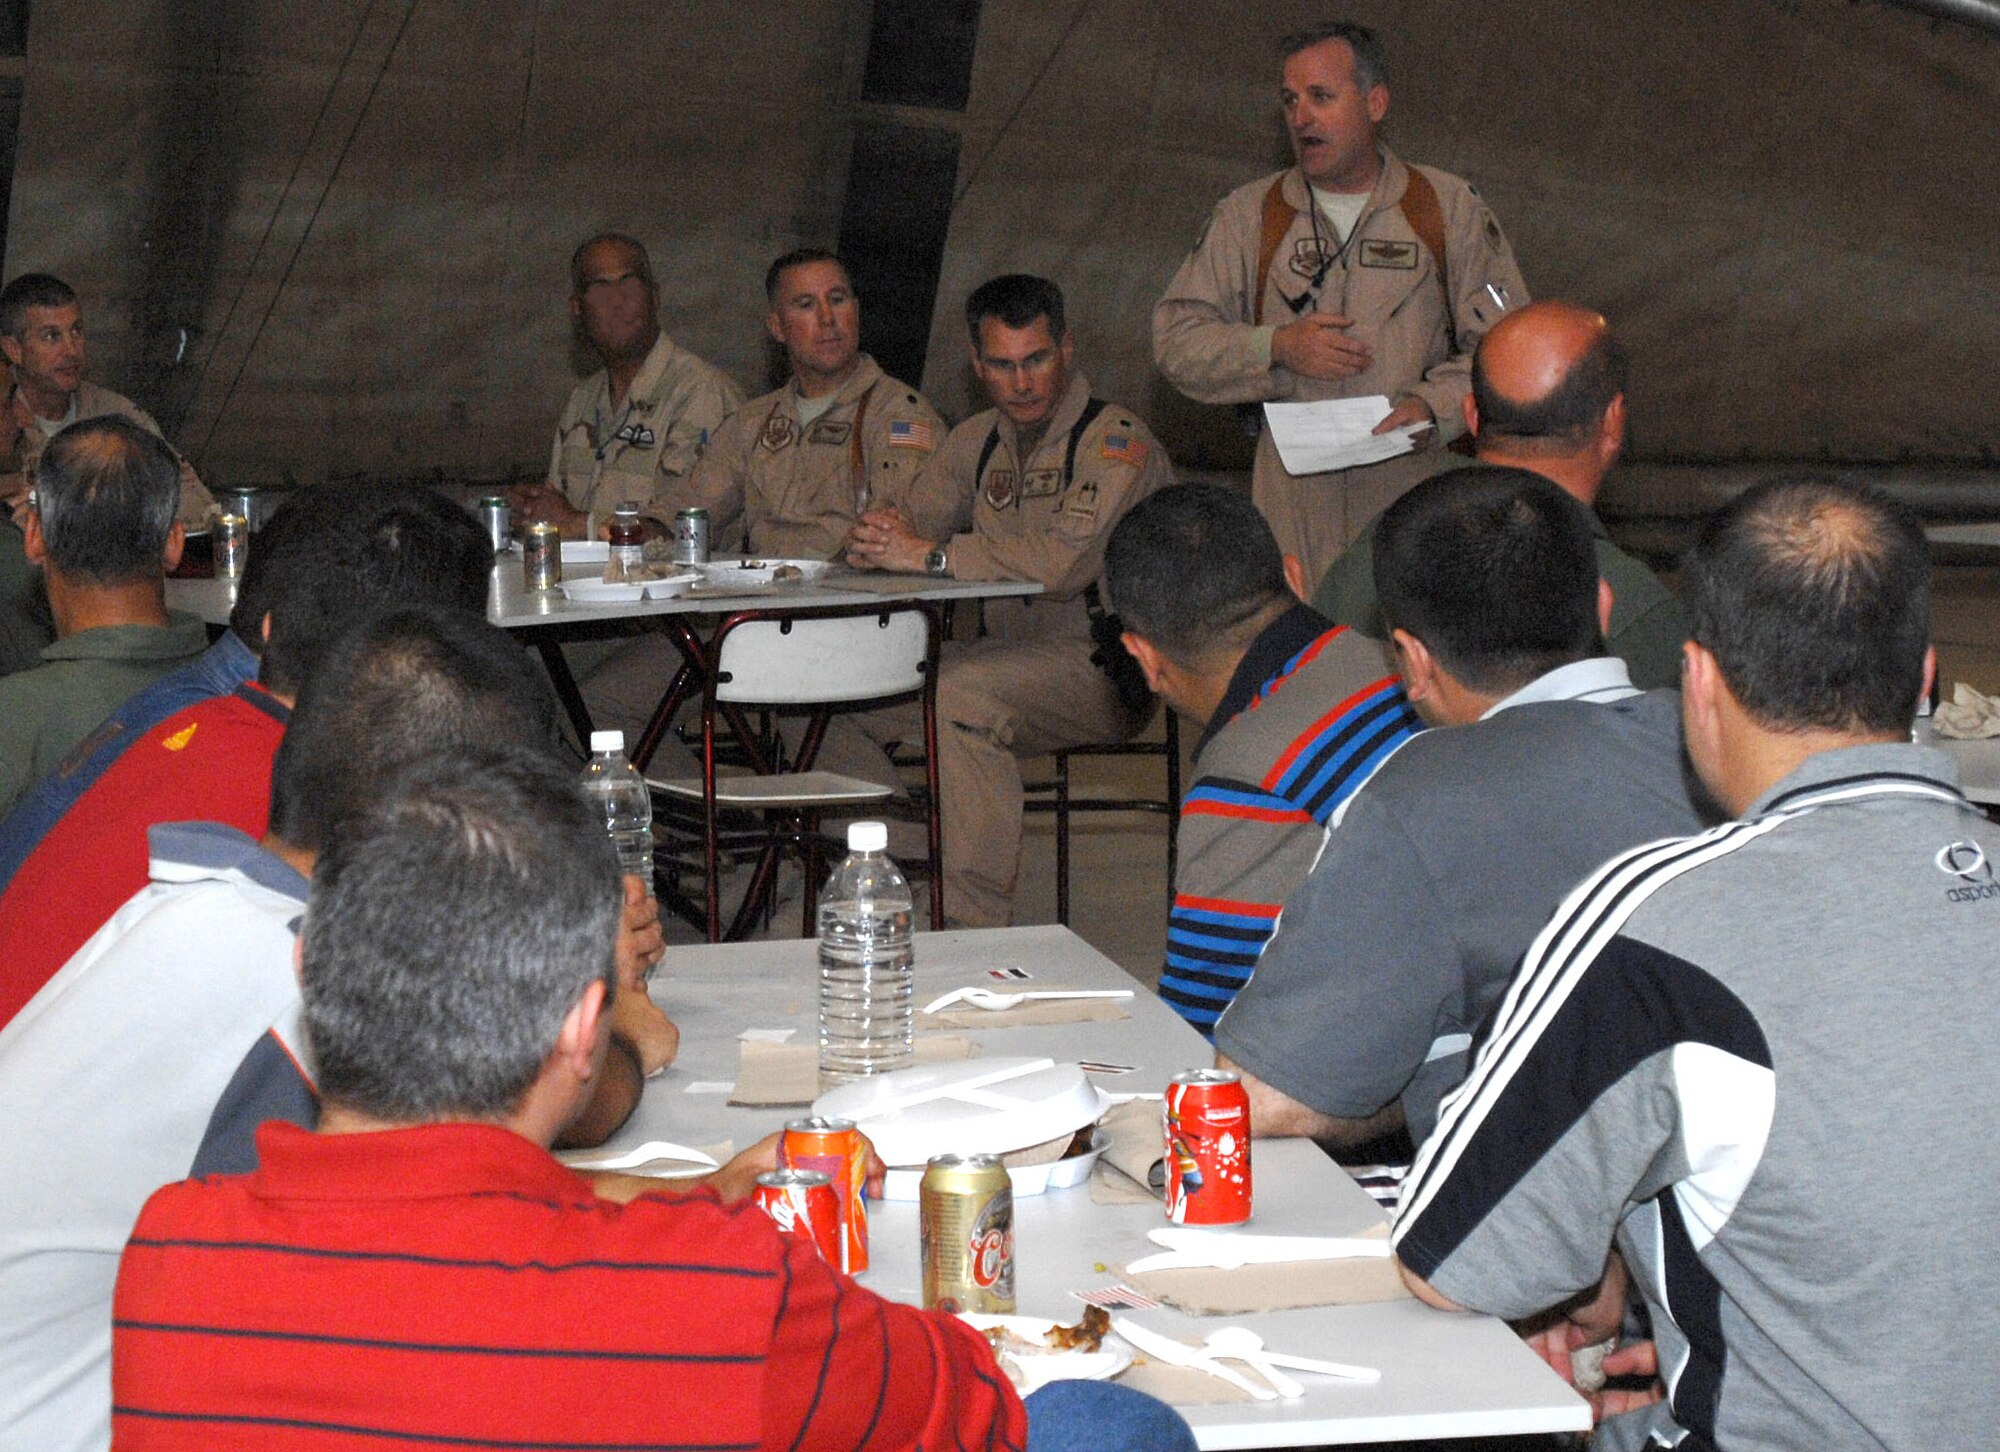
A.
pixel 1548 396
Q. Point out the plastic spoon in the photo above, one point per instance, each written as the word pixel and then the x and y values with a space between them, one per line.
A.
pixel 987 998
pixel 1245 1345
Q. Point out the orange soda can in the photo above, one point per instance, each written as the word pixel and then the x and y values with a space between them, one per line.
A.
pixel 802 1203
pixel 837 1150
pixel 1207 1128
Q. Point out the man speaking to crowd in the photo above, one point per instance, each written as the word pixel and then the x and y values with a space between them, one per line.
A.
pixel 1350 275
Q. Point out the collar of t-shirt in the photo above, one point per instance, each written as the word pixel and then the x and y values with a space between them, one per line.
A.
pixel 1600 679
pixel 1275 647
pixel 50 427
pixel 810 409
pixel 1892 766
pixel 1342 209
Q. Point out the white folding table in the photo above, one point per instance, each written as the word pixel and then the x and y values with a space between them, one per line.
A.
pixel 1444 1375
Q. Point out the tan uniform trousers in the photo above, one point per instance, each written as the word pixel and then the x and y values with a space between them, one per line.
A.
pixel 998 702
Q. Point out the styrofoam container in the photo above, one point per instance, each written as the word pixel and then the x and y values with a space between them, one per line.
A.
pixel 586 551
pixel 600 592
pixel 758 570
pixel 969 1106
pixel 906 1183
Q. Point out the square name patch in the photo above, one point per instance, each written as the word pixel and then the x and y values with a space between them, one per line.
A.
pixel 1389 254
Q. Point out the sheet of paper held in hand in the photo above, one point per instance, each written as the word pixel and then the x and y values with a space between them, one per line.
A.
pixel 1315 438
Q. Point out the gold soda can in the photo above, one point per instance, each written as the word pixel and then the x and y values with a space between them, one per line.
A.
pixel 541 557
pixel 966 1212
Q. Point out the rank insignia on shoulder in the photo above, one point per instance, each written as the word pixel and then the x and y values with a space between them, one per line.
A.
pixel 907 433
pixel 1389 254
pixel 777 431
pixel 1124 449
pixel 829 431
pixel 1000 488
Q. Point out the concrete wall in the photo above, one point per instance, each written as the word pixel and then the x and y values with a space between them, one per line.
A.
pixel 1787 209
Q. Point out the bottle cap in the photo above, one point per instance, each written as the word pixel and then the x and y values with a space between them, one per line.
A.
pixel 867 836
pixel 606 741
pixel 629 506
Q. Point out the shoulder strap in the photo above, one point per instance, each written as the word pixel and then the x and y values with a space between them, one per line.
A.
pixel 1422 210
pixel 1278 216
pixel 856 457
pixel 985 455
pixel 1083 421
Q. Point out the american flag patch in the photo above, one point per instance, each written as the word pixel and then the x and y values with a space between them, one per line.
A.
pixel 1125 449
pixel 909 434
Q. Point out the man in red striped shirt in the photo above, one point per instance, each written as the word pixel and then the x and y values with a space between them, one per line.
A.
pixel 420 1270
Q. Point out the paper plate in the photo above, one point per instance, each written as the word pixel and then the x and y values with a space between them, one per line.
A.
pixel 1029 1371
pixel 759 569
pixel 969 1106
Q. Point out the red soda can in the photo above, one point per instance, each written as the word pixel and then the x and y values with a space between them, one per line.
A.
pixel 837 1150
pixel 1207 1126
pixel 802 1203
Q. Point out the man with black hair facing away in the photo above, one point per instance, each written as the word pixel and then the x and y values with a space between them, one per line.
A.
pixel 1030 490
pixel 102 528
pixel 421 1272
pixel 1720 1056
pixel 1548 396
pixel 1295 713
pixel 1362 1010
pixel 172 1033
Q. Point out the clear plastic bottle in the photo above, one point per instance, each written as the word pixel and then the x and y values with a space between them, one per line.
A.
pixel 627 804
pixel 866 979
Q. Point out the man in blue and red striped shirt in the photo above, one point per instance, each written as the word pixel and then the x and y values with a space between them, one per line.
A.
pixel 1297 713
pixel 420 1272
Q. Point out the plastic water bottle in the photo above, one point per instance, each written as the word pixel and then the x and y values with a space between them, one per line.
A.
pixel 866 983
pixel 627 805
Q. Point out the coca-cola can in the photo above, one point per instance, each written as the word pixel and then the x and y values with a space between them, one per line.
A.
pixel 1206 1120
pixel 836 1149
pixel 803 1203
pixel 966 1219
pixel 691 537
pixel 541 557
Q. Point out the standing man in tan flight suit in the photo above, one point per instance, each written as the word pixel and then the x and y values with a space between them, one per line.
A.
pixel 634 429
pixel 1029 490
pixel 789 473
pixel 1350 274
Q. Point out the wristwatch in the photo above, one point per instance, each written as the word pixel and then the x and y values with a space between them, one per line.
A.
pixel 938 562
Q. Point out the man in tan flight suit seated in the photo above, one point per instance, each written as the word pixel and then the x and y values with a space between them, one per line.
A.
pixel 42 338
pixel 1029 490
pixel 788 474
pixel 632 431
pixel 1351 274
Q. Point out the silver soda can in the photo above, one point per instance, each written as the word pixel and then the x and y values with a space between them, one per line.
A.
pixel 541 557
pixel 232 545
pixel 242 503
pixel 498 519
pixel 691 537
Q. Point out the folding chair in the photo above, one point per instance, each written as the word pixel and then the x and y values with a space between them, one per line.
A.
pixel 1062 803
pixel 822 658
